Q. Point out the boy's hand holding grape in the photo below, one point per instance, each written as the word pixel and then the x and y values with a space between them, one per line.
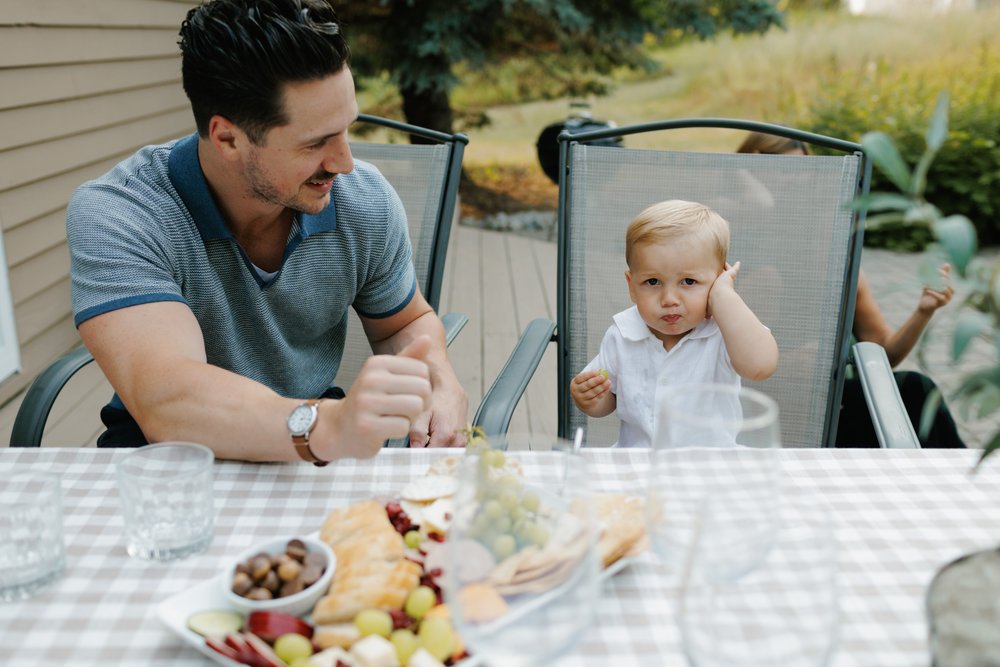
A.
pixel 591 391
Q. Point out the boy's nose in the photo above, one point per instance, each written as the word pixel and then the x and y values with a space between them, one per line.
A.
pixel 668 298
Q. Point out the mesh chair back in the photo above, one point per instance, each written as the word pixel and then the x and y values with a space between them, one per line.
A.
pixel 426 178
pixel 789 228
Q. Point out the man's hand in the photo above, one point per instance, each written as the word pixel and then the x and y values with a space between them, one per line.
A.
pixel 591 391
pixel 442 425
pixel 390 393
pixel 932 299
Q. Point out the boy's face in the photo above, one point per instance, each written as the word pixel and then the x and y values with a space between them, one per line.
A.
pixel 670 282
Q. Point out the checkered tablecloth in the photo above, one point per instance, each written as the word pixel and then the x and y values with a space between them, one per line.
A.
pixel 898 516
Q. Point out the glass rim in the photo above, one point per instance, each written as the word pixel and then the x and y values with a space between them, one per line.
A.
pixel 144 451
pixel 769 405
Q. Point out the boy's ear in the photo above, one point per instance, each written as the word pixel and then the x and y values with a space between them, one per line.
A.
pixel 628 281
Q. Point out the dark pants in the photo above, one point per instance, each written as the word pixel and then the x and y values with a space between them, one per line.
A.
pixel 123 431
pixel 855 428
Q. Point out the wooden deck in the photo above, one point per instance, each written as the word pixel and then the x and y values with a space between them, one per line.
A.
pixel 501 281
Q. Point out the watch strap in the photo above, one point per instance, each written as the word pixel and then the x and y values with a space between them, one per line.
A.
pixel 301 442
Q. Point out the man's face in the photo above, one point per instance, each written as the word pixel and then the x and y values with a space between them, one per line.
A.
pixel 670 281
pixel 297 162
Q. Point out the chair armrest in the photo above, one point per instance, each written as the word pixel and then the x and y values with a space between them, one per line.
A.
pixel 41 396
pixel 497 407
pixel 453 323
pixel 889 416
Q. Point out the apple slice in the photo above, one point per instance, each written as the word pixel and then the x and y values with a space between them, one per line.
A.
pixel 265 655
pixel 269 625
pixel 215 622
pixel 244 653
pixel 219 645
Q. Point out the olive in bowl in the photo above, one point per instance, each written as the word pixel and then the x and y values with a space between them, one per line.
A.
pixel 287 574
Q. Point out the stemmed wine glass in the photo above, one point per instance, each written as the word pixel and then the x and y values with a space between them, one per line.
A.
pixel 713 443
pixel 521 579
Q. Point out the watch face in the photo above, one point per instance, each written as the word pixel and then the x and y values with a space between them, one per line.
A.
pixel 301 419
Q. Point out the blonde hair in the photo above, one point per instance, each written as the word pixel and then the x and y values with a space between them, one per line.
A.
pixel 771 144
pixel 674 218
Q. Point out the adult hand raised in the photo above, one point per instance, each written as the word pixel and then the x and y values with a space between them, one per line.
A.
pixel 389 393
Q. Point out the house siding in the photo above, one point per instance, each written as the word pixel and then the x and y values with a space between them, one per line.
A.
pixel 83 84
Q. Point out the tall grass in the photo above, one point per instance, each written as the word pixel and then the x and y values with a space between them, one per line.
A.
pixel 774 77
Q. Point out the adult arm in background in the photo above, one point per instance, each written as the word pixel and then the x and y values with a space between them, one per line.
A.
pixel 870 324
pixel 154 356
pixel 751 346
pixel 442 423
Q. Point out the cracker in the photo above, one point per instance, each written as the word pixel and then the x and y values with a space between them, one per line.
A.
pixel 429 487
pixel 481 603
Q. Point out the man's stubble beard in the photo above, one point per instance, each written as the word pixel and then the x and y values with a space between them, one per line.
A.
pixel 261 189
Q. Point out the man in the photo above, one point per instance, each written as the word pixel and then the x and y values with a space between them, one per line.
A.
pixel 212 274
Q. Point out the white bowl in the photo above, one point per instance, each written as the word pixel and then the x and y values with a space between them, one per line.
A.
pixel 300 603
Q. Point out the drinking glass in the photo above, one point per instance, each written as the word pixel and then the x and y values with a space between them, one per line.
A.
pixel 719 443
pixel 521 576
pixel 783 612
pixel 166 498
pixel 32 551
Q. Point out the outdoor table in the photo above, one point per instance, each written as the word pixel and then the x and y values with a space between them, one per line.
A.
pixel 898 516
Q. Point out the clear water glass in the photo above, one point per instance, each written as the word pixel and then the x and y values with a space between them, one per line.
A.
pixel 522 566
pixel 719 443
pixel 32 550
pixel 167 500
pixel 785 611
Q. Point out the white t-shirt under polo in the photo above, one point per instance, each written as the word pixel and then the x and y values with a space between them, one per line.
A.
pixel 639 368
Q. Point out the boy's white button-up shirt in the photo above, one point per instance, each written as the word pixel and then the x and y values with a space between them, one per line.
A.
pixel 640 368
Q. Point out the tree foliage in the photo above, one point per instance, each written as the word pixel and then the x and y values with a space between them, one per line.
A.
pixel 419 42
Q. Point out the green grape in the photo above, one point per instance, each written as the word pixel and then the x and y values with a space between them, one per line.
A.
pixel 518 513
pixel 412 539
pixel 405 643
pixel 497 458
pixel 419 602
pixel 530 501
pixel 510 482
pixel 302 662
pixel 504 546
pixel 492 509
pixel 437 637
pixel 539 534
pixel 374 622
pixel 508 499
pixel 292 647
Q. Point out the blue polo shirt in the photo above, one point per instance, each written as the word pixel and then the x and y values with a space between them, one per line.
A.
pixel 149 230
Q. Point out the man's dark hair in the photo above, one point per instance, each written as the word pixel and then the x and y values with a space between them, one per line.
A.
pixel 238 54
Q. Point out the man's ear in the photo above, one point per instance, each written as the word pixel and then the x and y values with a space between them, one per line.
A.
pixel 225 137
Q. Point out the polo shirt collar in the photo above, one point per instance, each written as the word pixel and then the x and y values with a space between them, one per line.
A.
pixel 188 179
pixel 632 327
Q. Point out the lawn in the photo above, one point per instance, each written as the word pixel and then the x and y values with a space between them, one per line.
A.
pixel 772 77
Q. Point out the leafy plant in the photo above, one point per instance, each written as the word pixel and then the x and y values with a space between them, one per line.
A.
pixel 978 394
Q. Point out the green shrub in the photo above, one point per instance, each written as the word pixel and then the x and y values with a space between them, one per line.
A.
pixel 893 98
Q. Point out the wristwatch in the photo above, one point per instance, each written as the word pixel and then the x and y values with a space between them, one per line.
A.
pixel 301 423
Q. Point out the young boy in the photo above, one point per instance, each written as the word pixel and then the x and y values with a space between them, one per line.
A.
pixel 688 324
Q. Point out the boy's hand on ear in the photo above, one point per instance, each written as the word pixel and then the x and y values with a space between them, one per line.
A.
pixel 726 281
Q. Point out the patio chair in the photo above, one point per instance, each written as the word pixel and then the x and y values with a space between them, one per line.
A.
pixel 425 176
pixel 799 245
